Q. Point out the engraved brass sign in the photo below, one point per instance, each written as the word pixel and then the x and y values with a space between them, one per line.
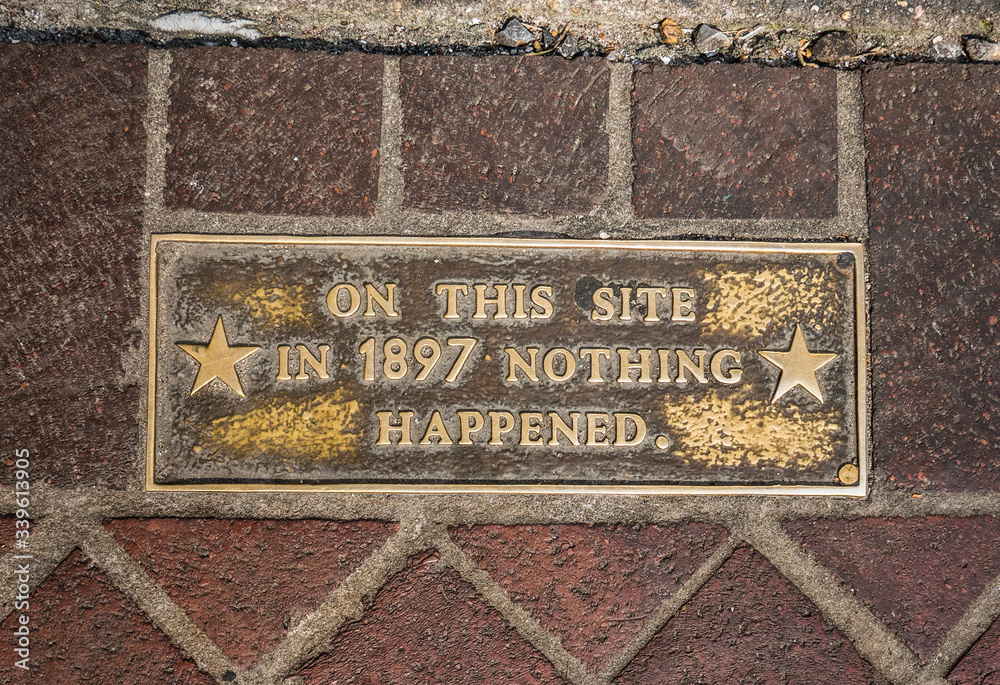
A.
pixel 464 365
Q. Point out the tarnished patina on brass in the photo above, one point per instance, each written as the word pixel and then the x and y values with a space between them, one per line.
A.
pixel 499 365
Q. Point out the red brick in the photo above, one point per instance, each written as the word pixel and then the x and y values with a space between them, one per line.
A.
pixel 735 141
pixel 274 131
pixel 981 664
pixel 72 164
pixel 505 134
pixel 83 630
pixel 593 586
pixel 747 624
pixel 245 583
pixel 934 184
pixel 428 626
pixel 917 575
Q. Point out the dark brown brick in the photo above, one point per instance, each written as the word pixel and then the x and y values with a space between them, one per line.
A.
pixel 981 665
pixel 72 160
pixel 747 624
pixel 735 141
pixel 245 583
pixel 917 575
pixel 428 626
pixel 85 632
pixel 934 183
pixel 505 134
pixel 593 586
pixel 274 131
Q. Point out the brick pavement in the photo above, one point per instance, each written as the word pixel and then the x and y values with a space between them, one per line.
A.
pixel 103 145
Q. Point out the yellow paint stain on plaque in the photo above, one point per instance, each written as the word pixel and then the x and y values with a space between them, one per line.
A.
pixel 317 428
pixel 713 430
pixel 743 302
pixel 277 306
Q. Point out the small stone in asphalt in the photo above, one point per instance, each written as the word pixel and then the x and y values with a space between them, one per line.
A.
pixel 546 41
pixel 946 48
pixel 671 32
pixel 709 40
pixel 514 34
pixel 982 50
pixel 833 48
pixel 569 47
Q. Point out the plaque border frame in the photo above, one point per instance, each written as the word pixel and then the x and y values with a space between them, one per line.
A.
pixel 862 417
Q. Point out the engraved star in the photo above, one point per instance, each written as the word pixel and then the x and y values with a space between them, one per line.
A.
pixel 798 366
pixel 218 360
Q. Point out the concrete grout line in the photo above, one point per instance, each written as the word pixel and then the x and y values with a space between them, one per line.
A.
pixel 50 542
pixel 477 509
pixel 132 580
pixel 982 612
pixel 311 636
pixel 136 357
pixel 852 190
pixel 155 122
pixel 524 623
pixel 621 160
pixel 668 609
pixel 928 679
pixel 390 177
pixel 872 639
pixel 484 224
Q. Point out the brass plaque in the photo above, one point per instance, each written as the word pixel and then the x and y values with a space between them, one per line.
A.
pixel 467 365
